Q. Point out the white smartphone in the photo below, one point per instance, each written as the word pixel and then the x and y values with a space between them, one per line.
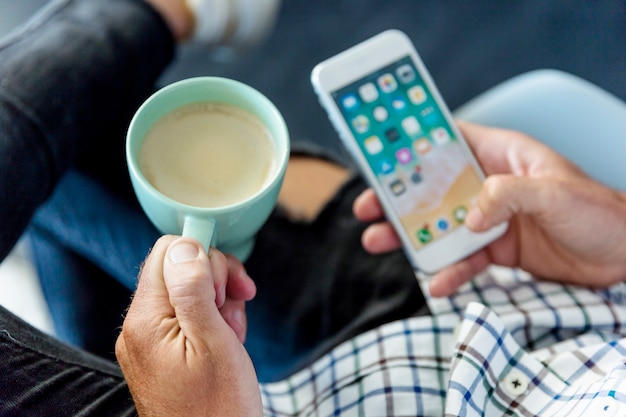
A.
pixel 392 120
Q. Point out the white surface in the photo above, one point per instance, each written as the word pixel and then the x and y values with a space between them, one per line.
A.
pixel 20 291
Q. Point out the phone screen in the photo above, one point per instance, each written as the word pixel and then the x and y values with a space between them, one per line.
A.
pixel 412 150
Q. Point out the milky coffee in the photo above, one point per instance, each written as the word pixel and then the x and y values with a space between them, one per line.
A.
pixel 208 155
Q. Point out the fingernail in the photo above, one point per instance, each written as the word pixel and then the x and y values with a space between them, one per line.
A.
pixel 475 219
pixel 183 252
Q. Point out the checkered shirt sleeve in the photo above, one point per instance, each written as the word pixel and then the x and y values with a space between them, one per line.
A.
pixel 505 344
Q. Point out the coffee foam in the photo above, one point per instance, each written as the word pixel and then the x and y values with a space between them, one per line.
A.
pixel 209 155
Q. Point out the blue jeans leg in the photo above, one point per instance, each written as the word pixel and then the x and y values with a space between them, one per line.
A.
pixel 86 305
pixel 99 225
pixel 89 245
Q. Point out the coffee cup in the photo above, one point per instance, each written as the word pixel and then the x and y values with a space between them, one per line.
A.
pixel 207 157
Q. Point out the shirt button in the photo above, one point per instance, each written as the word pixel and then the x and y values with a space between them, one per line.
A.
pixel 515 383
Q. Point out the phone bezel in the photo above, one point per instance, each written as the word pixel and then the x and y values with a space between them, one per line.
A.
pixel 357 63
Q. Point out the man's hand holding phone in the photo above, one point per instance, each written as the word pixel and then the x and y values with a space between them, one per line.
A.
pixel 562 225
pixel 390 116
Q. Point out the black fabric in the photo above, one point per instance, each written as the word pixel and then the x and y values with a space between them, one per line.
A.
pixel 42 377
pixel 43 129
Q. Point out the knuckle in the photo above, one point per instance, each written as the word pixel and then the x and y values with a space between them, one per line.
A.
pixel 121 351
pixel 217 257
pixel 496 187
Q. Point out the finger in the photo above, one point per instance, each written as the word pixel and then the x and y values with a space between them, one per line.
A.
pixel 219 266
pixel 367 207
pixel 234 313
pixel 149 308
pixel 240 286
pixel 503 196
pixel 380 238
pixel 448 280
pixel 190 280
pixel 490 145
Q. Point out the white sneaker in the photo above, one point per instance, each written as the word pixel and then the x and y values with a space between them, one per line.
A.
pixel 238 24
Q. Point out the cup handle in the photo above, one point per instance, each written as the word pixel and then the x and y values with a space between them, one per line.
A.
pixel 203 230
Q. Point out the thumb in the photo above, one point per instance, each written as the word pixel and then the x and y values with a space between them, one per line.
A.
pixel 189 278
pixel 503 196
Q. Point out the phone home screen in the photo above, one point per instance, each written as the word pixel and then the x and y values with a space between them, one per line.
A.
pixel 412 150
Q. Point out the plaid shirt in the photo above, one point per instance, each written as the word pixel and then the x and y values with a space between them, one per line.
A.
pixel 505 344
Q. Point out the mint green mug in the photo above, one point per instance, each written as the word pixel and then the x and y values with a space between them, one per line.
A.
pixel 232 226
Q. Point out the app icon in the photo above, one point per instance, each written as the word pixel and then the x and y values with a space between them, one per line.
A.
pixel 386 166
pixel 398 103
pixel 424 235
pixel 440 136
pixel 360 124
pixel 443 225
pixel 373 145
pixel 368 92
pixel 417 95
pixel 429 116
pixel 416 177
pixel 387 83
pixel 460 213
pixel 404 155
pixel 411 126
pixel 380 113
pixel 422 146
pixel 397 187
pixel 405 74
pixel 349 101
pixel 392 134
